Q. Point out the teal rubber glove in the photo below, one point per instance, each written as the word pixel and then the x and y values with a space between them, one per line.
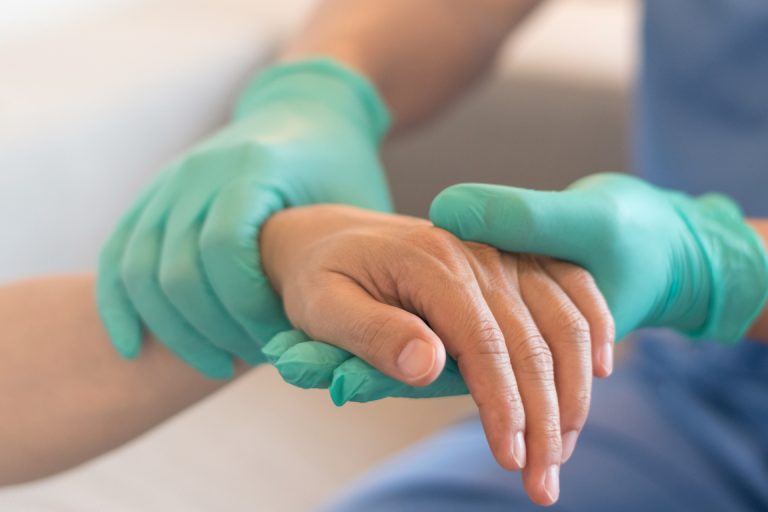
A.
pixel 311 364
pixel 184 260
pixel 661 259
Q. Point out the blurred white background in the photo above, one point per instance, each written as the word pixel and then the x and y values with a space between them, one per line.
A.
pixel 96 95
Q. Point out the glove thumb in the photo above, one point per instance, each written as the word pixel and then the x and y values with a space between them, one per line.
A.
pixel 556 224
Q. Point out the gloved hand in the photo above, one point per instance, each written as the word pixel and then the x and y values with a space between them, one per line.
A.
pixel 311 364
pixel 660 258
pixel 184 259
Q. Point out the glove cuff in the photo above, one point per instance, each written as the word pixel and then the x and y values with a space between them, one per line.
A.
pixel 738 267
pixel 324 80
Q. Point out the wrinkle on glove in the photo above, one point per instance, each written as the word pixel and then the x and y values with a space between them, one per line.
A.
pixel 660 258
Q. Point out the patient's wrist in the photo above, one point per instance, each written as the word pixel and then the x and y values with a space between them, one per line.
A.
pixel 270 247
pixel 284 235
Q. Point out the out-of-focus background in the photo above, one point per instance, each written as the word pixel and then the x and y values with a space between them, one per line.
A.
pixel 95 95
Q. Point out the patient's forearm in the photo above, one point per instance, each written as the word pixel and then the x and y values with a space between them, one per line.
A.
pixel 65 395
pixel 759 330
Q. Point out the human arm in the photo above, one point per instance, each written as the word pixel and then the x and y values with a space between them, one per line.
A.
pixel 65 395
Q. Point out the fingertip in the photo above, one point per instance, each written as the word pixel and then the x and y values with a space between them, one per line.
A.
pixel 338 390
pixel 127 350
pixel 519 451
pixel 605 359
pixel 124 333
pixel 345 388
pixel 511 455
pixel 543 486
pixel 440 359
pixel 445 201
pixel 506 441
pixel 421 361
pixel 552 484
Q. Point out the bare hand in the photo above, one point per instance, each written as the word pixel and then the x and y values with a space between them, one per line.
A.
pixel 527 332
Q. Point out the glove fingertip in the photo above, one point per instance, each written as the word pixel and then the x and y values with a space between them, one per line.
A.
pixel 483 213
pixel 302 374
pixel 221 368
pixel 449 207
pixel 339 390
pixel 124 332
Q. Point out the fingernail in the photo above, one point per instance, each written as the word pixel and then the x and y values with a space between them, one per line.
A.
pixel 552 482
pixel 417 359
pixel 606 357
pixel 569 444
pixel 518 450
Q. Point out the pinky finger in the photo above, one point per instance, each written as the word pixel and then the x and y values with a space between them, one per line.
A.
pixel 579 285
pixel 120 318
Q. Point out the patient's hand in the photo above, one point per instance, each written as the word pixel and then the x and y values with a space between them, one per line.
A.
pixel 527 332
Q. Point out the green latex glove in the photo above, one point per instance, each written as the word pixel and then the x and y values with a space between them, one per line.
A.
pixel 660 258
pixel 184 259
pixel 309 364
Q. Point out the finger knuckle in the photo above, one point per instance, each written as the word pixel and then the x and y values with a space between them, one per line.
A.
pixel 537 362
pixel 372 334
pixel 485 254
pixel 442 246
pixel 487 346
pixel 551 430
pixel 305 308
pixel 578 276
pixel 510 396
pixel 572 323
pixel 504 399
pixel 489 340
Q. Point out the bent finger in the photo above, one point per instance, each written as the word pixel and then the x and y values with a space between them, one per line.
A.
pixel 567 334
pixel 583 291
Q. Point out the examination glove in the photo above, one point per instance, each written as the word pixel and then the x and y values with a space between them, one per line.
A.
pixel 311 364
pixel 184 260
pixel 660 258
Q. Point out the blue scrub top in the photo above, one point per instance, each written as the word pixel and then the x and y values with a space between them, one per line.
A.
pixel 702 113
pixel 701 125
